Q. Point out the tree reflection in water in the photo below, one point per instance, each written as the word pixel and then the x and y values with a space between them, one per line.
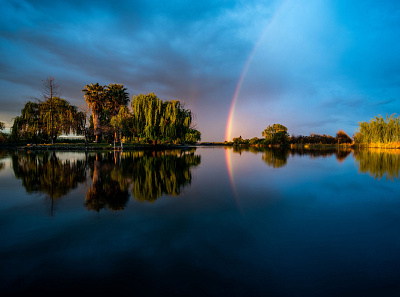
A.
pixel 3 154
pixel 106 191
pixel 165 172
pixel 379 163
pixel 46 173
pixel 149 174
pixel 146 174
pixel 277 157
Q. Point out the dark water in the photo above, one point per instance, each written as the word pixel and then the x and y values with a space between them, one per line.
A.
pixel 200 222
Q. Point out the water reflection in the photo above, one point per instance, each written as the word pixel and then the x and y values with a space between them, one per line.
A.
pixel 107 191
pixel 277 157
pixel 379 163
pixel 2 155
pixel 158 173
pixel 146 175
pixel 46 173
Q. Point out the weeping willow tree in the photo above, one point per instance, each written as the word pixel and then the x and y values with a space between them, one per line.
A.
pixel 28 125
pixel 41 121
pixel 154 119
pixel 379 130
pixel 59 117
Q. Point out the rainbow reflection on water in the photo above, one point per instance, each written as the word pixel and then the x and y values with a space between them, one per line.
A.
pixel 228 152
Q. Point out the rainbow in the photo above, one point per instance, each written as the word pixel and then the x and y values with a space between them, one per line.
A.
pixel 229 124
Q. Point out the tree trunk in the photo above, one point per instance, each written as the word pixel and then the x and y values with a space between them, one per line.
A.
pixel 116 136
pixel 97 126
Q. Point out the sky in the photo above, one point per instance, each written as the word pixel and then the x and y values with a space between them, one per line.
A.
pixel 313 66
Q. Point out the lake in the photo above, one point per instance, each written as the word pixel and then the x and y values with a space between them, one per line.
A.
pixel 207 221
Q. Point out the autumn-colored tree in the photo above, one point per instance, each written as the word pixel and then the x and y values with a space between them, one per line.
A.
pixel 342 137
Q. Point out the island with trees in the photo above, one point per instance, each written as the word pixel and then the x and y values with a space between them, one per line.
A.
pixel 106 118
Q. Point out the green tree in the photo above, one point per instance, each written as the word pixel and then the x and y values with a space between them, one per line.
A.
pixel 154 119
pixel 116 98
pixel 2 126
pixel 63 119
pixel 28 125
pixel 379 130
pixel 276 134
pixel 41 120
pixel 120 122
pixel 95 98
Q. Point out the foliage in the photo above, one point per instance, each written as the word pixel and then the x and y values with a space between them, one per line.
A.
pixel 379 130
pixel 3 136
pixel 39 121
pixel 95 99
pixel 105 103
pixel 342 137
pixel 276 134
pixel 154 119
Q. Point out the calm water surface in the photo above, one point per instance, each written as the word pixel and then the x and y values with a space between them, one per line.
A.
pixel 200 222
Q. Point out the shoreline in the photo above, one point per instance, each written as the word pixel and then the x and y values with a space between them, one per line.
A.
pixel 131 147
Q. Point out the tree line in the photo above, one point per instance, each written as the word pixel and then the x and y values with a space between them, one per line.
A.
pixel 277 134
pixel 106 117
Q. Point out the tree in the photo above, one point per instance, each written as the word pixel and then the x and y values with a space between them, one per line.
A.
pixel 342 137
pixel 28 125
pixel 154 119
pixel 276 134
pixel 116 98
pixel 41 120
pixel 83 116
pixel 2 126
pixel 379 130
pixel 95 98
pixel 63 119
pixel 49 91
pixel 120 122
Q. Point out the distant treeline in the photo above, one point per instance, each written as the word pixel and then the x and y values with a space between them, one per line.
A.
pixel 277 135
pixel 106 117
pixel 377 131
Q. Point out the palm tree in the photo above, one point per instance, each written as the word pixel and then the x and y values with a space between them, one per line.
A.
pixel 116 97
pixel 95 98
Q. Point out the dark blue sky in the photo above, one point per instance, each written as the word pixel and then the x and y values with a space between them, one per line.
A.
pixel 313 66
